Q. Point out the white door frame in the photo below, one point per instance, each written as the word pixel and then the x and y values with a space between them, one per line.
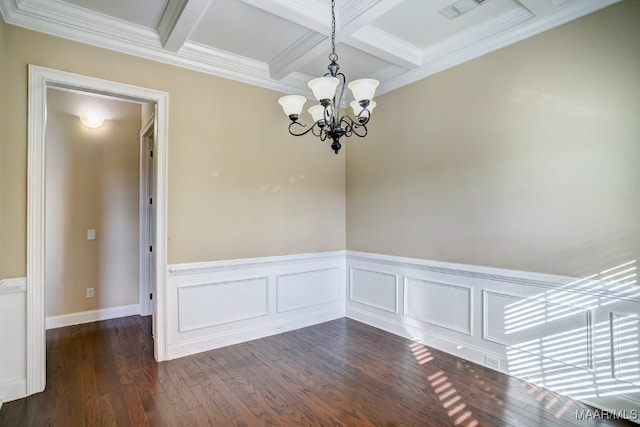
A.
pixel 40 79
pixel 146 287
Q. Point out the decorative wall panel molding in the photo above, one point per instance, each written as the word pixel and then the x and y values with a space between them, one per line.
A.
pixel 557 332
pixel 234 301
pixel 374 288
pixel 625 347
pixel 308 288
pixel 423 301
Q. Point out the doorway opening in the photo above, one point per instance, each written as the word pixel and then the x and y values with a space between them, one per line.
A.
pixel 97 230
pixel 40 81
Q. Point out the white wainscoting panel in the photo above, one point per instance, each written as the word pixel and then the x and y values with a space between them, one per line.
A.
pixel 308 288
pixel 555 331
pixel 374 288
pixel 214 304
pixel 13 330
pixel 233 301
pixel 423 301
pixel 579 337
pixel 625 347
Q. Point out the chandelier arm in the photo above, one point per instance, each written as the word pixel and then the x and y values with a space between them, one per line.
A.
pixel 311 129
pixel 353 128
pixel 364 117
pixel 347 124
pixel 363 130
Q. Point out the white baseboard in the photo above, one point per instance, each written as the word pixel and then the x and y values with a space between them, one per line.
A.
pixel 253 332
pixel 12 390
pixel 438 342
pixel 92 316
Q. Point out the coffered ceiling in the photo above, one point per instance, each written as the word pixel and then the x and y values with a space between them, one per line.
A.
pixel 281 44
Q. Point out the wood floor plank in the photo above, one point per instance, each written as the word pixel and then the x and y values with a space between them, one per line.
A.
pixel 339 373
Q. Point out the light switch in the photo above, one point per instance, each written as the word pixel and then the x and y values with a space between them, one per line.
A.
pixel 91 234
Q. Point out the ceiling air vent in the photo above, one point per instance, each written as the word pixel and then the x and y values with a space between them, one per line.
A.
pixel 460 7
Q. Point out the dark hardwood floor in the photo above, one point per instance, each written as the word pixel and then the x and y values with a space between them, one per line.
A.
pixel 339 373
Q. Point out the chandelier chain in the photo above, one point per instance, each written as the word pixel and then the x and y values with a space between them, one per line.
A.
pixel 333 57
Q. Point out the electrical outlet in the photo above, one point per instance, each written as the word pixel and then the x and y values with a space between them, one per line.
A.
pixel 89 292
pixel 91 234
pixel 492 362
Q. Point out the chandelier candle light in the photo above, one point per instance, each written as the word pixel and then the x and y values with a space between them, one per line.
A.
pixel 327 120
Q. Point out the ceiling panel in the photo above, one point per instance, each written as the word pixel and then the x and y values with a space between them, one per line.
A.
pixel 236 27
pixel 146 13
pixel 429 26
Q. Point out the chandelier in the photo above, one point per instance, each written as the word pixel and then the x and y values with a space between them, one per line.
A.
pixel 329 91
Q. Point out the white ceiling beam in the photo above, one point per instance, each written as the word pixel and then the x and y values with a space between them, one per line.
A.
pixel 312 14
pixel 376 42
pixel 178 21
pixel 357 13
pixel 356 30
pixel 298 54
pixel 316 16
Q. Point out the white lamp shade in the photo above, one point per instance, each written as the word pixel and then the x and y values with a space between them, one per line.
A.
pixel 357 108
pixel 324 87
pixel 363 88
pixel 292 104
pixel 317 112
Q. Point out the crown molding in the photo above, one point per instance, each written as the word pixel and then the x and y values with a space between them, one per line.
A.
pixel 66 20
pixel 61 19
pixel 74 23
pixel 221 63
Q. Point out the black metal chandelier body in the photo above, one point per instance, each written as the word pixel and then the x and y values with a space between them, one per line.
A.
pixel 329 91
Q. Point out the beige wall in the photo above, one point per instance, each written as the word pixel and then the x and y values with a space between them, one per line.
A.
pixel 526 158
pixel 92 183
pixel 239 185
